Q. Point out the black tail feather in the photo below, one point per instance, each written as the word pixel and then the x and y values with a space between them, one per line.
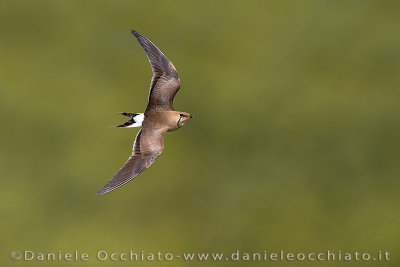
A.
pixel 128 114
pixel 126 124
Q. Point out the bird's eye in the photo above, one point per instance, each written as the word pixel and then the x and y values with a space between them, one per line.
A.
pixel 182 115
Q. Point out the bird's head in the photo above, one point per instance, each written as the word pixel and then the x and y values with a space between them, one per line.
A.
pixel 183 118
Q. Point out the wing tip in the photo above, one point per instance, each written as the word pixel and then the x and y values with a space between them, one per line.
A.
pixel 107 188
pixel 141 38
pixel 103 191
pixel 137 35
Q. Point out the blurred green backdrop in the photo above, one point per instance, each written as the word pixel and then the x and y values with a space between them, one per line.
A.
pixel 294 145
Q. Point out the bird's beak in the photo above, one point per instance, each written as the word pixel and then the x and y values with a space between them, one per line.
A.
pixel 191 116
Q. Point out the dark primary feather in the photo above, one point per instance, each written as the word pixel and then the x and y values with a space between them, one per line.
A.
pixel 165 82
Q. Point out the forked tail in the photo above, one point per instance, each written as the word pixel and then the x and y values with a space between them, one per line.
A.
pixel 135 121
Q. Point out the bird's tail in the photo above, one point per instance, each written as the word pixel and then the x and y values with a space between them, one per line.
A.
pixel 135 121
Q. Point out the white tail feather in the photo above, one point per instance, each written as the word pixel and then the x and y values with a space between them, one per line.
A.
pixel 138 120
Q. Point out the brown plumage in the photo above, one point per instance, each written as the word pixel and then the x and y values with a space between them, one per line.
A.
pixel 158 118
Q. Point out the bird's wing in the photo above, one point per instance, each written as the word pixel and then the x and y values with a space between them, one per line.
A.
pixel 165 82
pixel 147 147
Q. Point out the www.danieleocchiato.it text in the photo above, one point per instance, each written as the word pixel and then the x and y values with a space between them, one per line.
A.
pixel 137 256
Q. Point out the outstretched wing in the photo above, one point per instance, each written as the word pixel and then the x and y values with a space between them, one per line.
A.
pixel 147 147
pixel 165 82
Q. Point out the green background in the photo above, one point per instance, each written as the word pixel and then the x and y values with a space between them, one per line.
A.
pixel 294 145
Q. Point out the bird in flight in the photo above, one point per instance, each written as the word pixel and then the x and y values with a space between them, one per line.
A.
pixel 158 118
